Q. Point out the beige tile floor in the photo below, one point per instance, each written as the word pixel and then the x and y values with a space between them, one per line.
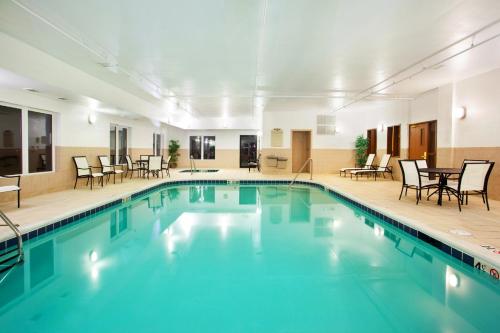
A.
pixel 437 221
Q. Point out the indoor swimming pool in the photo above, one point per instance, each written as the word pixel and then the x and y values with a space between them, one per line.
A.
pixel 241 258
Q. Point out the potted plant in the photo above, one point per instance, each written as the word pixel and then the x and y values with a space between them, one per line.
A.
pixel 361 147
pixel 173 148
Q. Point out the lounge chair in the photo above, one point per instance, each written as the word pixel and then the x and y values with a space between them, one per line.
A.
pixel 413 178
pixel 383 168
pixel 368 165
pixel 84 170
pixel 107 169
pixel 12 188
pixel 473 179
pixel 154 166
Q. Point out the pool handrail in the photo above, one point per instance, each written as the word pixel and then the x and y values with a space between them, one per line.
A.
pixel 308 161
pixel 13 227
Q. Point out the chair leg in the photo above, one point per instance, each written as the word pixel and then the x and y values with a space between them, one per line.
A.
pixel 406 192
pixel 416 194
pixel 486 199
pixel 400 194
pixel 76 180
pixel 18 199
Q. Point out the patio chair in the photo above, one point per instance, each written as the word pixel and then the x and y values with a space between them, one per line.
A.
pixel 383 168
pixel 107 169
pixel 255 164
pixel 368 165
pixel 12 188
pixel 473 179
pixel 413 179
pixel 166 166
pixel 154 166
pixel 132 166
pixel 84 170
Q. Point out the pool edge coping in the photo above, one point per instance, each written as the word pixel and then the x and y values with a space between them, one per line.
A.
pixel 475 255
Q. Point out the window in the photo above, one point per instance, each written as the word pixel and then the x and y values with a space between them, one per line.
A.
pixel 209 147
pixel 39 141
pixel 371 134
pixel 195 147
pixel 27 151
pixel 202 146
pixel 118 144
pixel 11 140
pixel 157 144
pixel 393 140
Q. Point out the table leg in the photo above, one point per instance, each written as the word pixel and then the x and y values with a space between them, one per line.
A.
pixel 440 192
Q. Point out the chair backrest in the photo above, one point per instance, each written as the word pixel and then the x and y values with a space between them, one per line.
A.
pixel 473 161
pixel 422 164
pixel 144 157
pixel 154 163
pixel 410 172
pixel 384 162
pixel 81 165
pixel 105 165
pixel 168 161
pixel 129 162
pixel 474 176
pixel 369 161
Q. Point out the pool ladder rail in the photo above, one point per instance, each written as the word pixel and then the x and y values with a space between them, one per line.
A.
pixel 308 161
pixel 11 257
pixel 192 165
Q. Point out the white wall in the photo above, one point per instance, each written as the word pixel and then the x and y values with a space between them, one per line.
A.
pixel 351 122
pixel 72 128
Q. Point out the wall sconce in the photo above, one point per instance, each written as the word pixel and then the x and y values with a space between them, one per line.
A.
pixel 381 127
pixel 92 118
pixel 459 112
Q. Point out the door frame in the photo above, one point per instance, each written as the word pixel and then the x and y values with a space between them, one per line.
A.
pixel 309 131
pixel 256 148
pixel 432 124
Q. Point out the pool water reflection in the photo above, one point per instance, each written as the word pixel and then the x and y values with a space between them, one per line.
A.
pixel 241 259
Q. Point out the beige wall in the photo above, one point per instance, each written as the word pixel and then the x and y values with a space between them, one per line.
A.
pixel 224 158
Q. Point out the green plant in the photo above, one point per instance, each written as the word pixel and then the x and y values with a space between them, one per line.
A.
pixel 173 151
pixel 361 145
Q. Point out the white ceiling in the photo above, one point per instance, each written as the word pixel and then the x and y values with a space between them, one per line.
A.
pixel 217 55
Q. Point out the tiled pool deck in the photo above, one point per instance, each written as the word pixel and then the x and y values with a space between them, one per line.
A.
pixel 434 224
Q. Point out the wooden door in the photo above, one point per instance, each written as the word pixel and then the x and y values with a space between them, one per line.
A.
pixel 371 135
pixel 301 149
pixel 422 142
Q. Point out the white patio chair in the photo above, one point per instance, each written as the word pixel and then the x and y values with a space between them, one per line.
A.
pixel 368 165
pixel 154 166
pixel 472 180
pixel 84 170
pixel 412 179
pixel 12 188
pixel 107 169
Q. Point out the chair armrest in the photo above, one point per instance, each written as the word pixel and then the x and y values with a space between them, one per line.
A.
pixel 13 176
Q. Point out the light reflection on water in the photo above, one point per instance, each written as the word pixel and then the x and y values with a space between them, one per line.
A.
pixel 241 259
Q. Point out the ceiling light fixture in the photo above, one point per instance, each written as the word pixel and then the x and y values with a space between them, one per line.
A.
pixel 92 118
pixel 33 90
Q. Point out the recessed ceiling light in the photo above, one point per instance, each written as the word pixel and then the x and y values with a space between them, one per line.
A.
pixel 33 90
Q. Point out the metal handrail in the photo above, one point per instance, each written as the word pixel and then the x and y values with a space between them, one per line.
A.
pixel 192 164
pixel 16 231
pixel 308 161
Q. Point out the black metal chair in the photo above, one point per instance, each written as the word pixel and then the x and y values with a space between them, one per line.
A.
pixel 255 164
pixel 473 180
pixel 12 188
pixel 84 170
pixel 413 179
pixel 107 169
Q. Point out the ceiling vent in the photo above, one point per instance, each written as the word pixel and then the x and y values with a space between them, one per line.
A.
pixel 33 90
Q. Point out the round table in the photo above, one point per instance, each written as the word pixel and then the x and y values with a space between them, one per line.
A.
pixel 444 174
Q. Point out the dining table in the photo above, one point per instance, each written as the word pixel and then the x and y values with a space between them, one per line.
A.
pixel 444 174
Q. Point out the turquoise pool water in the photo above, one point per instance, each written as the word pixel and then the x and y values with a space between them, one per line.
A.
pixel 241 259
